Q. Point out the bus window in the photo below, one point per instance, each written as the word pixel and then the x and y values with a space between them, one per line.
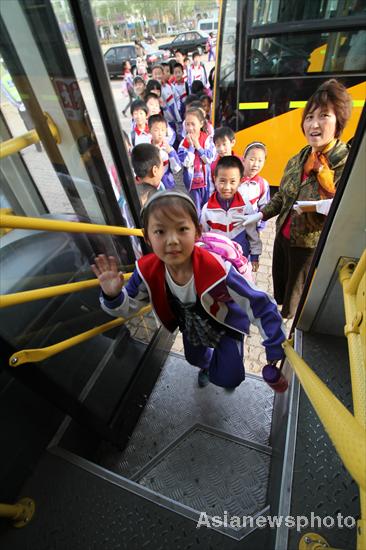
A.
pixel 275 11
pixel 272 56
pixel 297 54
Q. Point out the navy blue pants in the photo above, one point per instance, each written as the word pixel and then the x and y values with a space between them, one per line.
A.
pixel 224 363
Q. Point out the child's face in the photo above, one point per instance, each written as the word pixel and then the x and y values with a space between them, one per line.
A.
pixel 128 66
pixel 158 132
pixel 206 105
pixel 224 147
pixel 196 60
pixel 158 173
pixel 193 125
pixel 156 91
pixel 153 106
pixel 254 162
pixel 167 74
pixel 178 73
pixel 140 117
pixel 179 57
pixel 139 87
pixel 172 238
pixel 157 74
pixel 227 182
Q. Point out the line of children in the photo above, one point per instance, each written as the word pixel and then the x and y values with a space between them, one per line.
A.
pixel 197 155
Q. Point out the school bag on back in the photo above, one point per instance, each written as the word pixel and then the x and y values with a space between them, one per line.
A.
pixel 228 250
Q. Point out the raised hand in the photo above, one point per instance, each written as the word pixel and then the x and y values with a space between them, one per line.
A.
pixel 166 146
pixel 195 142
pixel 110 279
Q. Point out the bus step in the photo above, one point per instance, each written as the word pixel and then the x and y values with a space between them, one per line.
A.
pixel 80 506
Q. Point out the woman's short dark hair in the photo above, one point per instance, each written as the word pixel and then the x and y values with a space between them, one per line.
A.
pixel 334 93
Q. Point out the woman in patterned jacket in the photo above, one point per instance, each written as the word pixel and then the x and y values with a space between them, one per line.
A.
pixel 311 175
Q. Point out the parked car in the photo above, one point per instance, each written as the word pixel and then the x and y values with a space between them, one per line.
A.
pixel 187 42
pixel 116 55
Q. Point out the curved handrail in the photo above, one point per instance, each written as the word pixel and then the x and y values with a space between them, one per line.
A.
pixel 40 224
pixel 7 300
pixel 16 144
pixel 40 354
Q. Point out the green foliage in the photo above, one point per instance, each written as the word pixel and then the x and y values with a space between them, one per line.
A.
pixel 149 9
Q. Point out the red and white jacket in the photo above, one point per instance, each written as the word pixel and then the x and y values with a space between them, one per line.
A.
pixel 255 193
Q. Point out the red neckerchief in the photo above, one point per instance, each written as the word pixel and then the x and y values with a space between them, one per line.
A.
pixel 236 202
pixel 248 179
pixel 145 130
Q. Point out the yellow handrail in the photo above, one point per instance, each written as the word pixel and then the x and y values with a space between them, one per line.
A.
pixel 7 300
pixel 3 212
pixel 346 433
pixel 353 280
pixel 16 144
pixel 22 222
pixel 35 355
pixel 21 513
pixel 350 279
pixel 314 541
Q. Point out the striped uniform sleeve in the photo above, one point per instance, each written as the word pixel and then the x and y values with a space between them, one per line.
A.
pixel 204 217
pixel 186 156
pixel 174 162
pixel 132 298
pixel 262 311
pixel 209 152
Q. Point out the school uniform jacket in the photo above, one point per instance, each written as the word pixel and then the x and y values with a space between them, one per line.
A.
pixel 223 292
pixel 172 165
pixel 186 156
pixel 215 218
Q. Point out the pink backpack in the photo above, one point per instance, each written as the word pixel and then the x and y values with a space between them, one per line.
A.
pixel 227 250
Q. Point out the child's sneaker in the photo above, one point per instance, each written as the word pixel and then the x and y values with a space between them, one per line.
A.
pixel 203 378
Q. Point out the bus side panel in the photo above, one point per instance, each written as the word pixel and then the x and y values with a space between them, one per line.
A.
pixel 284 138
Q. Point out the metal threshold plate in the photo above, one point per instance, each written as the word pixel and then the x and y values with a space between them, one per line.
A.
pixel 211 472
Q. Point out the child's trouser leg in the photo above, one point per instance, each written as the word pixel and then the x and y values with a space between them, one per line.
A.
pixel 225 362
pixel 226 367
pixel 199 356
pixel 199 198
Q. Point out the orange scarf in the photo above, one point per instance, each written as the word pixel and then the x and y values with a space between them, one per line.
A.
pixel 318 163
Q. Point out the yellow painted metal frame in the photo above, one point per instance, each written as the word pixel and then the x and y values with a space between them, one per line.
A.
pixel 14 145
pixel 347 431
pixel 21 222
pixel 21 513
pixel 7 300
pixel 40 354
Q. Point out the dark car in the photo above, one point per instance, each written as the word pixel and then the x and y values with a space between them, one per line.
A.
pixel 116 55
pixel 187 42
